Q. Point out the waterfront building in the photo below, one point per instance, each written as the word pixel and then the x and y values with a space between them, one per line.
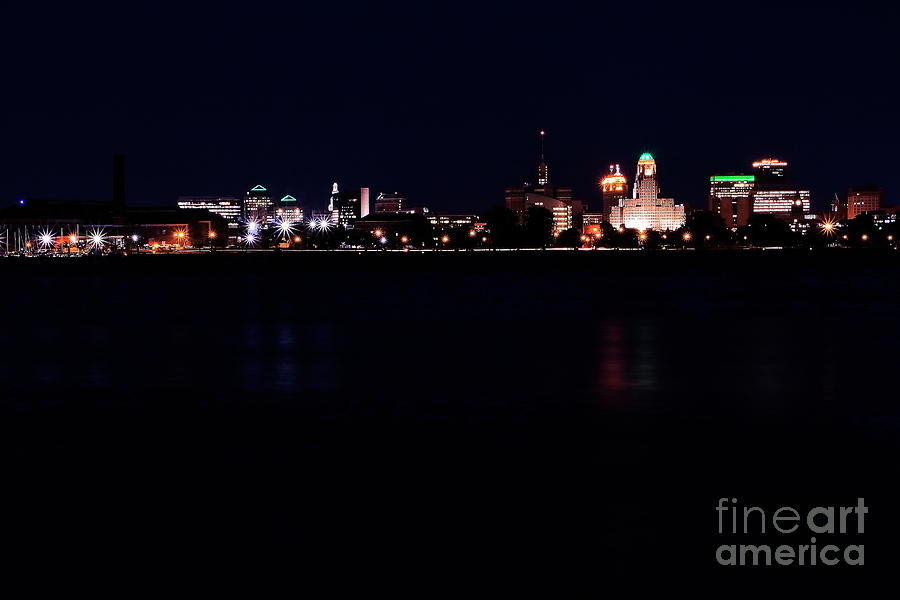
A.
pixel 862 200
pixel 731 197
pixel 258 206
pixel 645 209
pixel 614 188
pixel 773 193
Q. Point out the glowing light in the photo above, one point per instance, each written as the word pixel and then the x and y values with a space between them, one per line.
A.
pixel 645 156
pixel 404 240
pixel 212 235
pixel 286 227
pixel 383 240
pixel 378 233
pixel 250 239
pixel 73 239
pixel 134 237
pixel 253 226
pixel 747 178
pixel 769 162
pixel 827 227
pixel 297 239
pixel 471 233
pixel 687 236
pixel 45 239
pixel 96 239
pixel 445 239
pixel 864 237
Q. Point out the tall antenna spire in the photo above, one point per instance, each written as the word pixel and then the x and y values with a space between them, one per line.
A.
pixel 543 171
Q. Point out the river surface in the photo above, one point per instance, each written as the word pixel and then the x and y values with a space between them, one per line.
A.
pixel 579 411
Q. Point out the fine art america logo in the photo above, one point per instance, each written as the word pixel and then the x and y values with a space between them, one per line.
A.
pixel 815 529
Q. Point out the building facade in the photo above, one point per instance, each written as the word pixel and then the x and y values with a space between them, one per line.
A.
pixel 288 209
pixel 862 200
pixel 731 197
pixel 614 188
pixel 258 206
pixel 645 209
pixel 345 207
pixel 773 193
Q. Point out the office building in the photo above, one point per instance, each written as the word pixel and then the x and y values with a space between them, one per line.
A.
pixel 862 200
pixel 645 209
pixel 345 207
pixel 775 195
pixel 731 197
pixel 258 206
pixel 389 202
pixel 614 188
pixel 288 209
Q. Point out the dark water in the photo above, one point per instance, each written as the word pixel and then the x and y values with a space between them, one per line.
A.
pixel 571 413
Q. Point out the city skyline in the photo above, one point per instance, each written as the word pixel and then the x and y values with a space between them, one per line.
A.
pixel 435 111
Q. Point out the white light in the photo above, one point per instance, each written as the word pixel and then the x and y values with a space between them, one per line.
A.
pixel 45 239
pixel 96 238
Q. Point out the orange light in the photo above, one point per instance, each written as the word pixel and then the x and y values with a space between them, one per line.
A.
pixel 445 239
pixel 378 233
pixel 404 239
pixel 73 238
pixel 686 236
pixel 297 239
pixel 471 233
pixel 212 235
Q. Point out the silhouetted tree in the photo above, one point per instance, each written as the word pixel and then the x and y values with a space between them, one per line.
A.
pixel 707 228
pixel 538 226
pixel 767 230
pixel 570 238
pixel 503 226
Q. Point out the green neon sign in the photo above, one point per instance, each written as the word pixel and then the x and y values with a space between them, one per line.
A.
pixel 733 178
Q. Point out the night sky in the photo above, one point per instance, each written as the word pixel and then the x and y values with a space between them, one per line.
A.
pixel 442 101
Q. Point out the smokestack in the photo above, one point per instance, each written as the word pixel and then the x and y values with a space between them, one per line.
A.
pixel 119 183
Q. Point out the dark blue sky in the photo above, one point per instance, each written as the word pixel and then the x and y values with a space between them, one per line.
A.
pixel 442 101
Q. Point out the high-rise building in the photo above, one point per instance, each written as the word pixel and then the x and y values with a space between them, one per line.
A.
pixel 645 209
pixel 773 193
pixel 614 187
pixel 364 208
pixel 567 212
pixel 346 207
pixel 862 200
pixel 731 196
pixel 288 209
pixel 258 206
pixel 769 173
pixel 389 202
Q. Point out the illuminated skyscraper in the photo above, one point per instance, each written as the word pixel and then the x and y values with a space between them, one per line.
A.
pixel 543 169
pixel 862 200
pixel 731 196
pixel 288 209
pixel 389 202
pixel 344 206
pixel 646 210
pixel 769 173
pixel 773 193
pixel 258 206
pixel 614 188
